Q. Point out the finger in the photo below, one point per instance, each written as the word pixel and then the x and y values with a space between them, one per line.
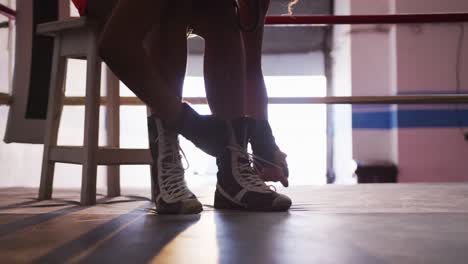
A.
pixel 285 182
pixel 274 175
pixel 281 160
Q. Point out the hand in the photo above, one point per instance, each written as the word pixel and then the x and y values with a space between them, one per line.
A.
pixel 279 173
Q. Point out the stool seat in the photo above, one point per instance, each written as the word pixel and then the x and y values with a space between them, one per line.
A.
pixel 77 38
pixel 55 27
pixel 73 33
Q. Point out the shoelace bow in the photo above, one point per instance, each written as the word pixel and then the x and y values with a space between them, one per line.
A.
pixel 250 175
pixel 173 181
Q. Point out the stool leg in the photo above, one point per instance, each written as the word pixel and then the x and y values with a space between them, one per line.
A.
pixel 152 168
pixel 54 111
pixel 113 130
pixel 90 145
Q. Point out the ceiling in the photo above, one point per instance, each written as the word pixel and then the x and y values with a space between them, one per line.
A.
pixel 291 39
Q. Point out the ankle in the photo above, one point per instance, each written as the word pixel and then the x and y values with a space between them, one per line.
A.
pixel 172 121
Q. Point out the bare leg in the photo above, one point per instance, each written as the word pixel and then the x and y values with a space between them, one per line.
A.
pixel 167 44
pixel 256 94
pixel 224 65
pixel 121 47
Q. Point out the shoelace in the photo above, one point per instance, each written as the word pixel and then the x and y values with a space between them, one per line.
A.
pixel 249 175
pixel 173 181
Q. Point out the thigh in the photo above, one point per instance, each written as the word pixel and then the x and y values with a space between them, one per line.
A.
pixel 167 43
pixel 132 20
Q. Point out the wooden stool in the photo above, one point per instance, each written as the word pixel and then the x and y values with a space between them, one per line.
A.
pixel 77 38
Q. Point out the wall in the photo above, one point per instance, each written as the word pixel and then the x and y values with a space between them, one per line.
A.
pixel 372 65
pixel 431 146
pixel 426 141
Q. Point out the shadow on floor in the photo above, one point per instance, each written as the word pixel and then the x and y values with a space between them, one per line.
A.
pixel 135 237
pixel 36 219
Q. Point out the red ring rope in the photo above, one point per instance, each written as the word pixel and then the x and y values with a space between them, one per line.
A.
pixel 367 19
pixel 336 20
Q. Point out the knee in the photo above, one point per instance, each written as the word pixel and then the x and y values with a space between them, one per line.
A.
pixel 114 44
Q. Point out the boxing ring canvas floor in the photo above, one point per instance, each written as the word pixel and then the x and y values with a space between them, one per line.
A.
pixel 405 223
